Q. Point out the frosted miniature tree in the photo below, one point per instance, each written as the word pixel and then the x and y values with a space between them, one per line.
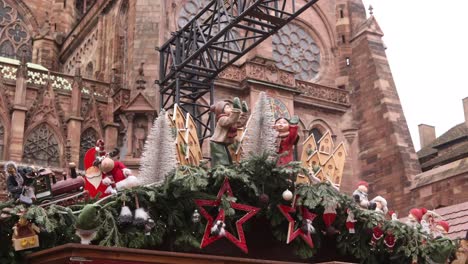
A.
pixel 260 134
pixel 159 155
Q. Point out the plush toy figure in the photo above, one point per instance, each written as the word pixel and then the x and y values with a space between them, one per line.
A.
pixel 380 204
pixel 121 175
pixel 88 223
pixel 360 196
pixel 20 182
pixel 228 119
pixel 415 216
pixel 95 184
pixel 14 180
pixel 287 138
pixel 441 228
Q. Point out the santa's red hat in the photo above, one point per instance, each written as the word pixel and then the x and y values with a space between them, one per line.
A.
pixel 363 183
pixel 418 213
pixel 444 224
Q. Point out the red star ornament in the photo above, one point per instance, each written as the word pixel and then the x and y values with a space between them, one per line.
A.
pixel 207 237
pixel 306 214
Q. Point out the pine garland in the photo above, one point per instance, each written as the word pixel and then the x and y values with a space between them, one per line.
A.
pixel 171 206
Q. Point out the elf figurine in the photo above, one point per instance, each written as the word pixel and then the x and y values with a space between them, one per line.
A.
pixel 441 229
pixel 88 223
pixel 228 119
pixel 287 138
pixel 415 216
pixel 360 196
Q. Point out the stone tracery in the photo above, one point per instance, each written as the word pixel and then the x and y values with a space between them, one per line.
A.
pixel 295 50
pixel 14 36
pixel 41 147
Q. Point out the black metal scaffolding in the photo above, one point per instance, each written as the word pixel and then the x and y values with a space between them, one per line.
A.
pixel 222 32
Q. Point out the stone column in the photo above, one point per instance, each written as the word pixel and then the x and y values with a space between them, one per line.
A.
pixel 111 134
pixel 18 116
pixel 130 117
pixel 75 120
pixel 150 117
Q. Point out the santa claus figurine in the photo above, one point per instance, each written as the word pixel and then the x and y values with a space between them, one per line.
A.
pixel 360 196
pixel 122 176
pixel 94 183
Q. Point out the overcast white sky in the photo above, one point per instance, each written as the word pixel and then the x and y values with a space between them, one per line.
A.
pixel 427 47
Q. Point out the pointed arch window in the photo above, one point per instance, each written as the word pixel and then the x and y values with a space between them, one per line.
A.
pixel 317 132
pixel 41 147
pixel 87 141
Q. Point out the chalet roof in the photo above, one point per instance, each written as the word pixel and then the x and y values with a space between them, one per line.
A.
pixel 457 216
pixel 458 132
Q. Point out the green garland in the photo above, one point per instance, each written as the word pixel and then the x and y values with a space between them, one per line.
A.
pixel 171 206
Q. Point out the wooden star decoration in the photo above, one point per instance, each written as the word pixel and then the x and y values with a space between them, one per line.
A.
pixel 208 238
pixel 306 214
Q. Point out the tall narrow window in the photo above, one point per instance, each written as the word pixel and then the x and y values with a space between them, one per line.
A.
pixel 87 141
pixel 341 13
pixel 2 137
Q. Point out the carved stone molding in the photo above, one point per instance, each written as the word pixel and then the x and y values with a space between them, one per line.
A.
pixel 259 70
pixel 324 93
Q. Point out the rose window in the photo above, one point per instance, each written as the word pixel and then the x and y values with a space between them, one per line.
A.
pixel 295 50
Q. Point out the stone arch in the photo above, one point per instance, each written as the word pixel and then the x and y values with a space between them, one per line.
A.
pixel 88 139
pixel 319 127
pixel 121 43
pixel 89 71
pixel 43 145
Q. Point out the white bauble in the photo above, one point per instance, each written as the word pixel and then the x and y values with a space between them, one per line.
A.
pixel 287 195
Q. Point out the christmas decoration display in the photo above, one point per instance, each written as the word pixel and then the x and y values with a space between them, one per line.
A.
pixel 415 216
pixel 306 216
pixel 287 195
pixel 380 204
pixel 125 216
pixel 19 184
pixel 94 183
pixel 117 171
pixel 228 119
pixel 25 235
pixel 360 196
pixel 157 162
pixel 171 207
pixel 324 161
pixel 259 134
pixel 196 216
pixel 441 228
pixel 287 138
pixel 329 214
pixel 350 221
pixel 87 223
pixel 215 228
